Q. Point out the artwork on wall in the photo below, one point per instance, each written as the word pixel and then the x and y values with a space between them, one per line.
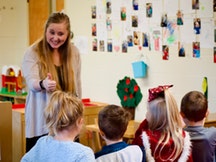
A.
pixel 144 25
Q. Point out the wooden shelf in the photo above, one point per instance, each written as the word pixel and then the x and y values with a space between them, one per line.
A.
pixel 15 99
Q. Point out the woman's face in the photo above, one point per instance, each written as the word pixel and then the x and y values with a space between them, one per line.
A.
pixel 56 34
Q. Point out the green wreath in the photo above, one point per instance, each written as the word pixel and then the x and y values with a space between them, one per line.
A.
pixel 129 92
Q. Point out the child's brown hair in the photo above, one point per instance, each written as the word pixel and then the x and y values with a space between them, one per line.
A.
pixel 194 106
pixel 113 121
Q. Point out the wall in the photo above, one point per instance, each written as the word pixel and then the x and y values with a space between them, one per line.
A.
pixel 101 70
pixel 14 31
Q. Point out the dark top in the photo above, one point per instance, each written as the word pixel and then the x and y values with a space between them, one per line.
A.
pixel 59 70
pixel 203 143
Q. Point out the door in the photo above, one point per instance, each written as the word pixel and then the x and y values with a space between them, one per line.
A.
pixel 39 11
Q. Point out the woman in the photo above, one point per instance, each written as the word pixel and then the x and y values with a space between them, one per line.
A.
pixel 52 63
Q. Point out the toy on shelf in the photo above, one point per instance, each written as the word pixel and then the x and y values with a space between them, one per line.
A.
pixel 12 80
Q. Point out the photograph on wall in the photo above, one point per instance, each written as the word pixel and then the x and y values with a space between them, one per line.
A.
pixel 214 55
pixel 109 45
pixel 123 13
pixel 197 25
pixel 136 38
pixel 149 10
pixel 130 40
pixel 94 29
pixel 214 6
pixel 93 11
pixel 108 7
pixel 94 45
pixel 109 24
pixel 145 39
pixel 135 5
pixel 124 46
pixel 215 35
pixel 164 20
pixel 102 45
pixel 181 50
pixel 179 17
pixel 165 49
pixel 196 49
pixel 195 4
pixel 135 21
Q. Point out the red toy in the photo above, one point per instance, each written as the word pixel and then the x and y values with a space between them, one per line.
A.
pixel 12 80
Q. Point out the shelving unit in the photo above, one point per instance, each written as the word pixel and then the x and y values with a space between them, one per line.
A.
pixel 14 98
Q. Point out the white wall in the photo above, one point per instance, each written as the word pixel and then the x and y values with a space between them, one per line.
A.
pixel 14 31
pixel 102 71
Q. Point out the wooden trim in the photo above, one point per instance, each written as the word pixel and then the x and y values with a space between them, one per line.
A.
pixel 38 13
pixel 59 5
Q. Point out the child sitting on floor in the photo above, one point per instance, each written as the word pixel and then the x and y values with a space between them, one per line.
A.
pixel 64 119
pixel 161 133
pixel 194 110
pixel 113 121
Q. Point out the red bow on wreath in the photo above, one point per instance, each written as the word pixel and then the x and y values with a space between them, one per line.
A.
pixel 157 92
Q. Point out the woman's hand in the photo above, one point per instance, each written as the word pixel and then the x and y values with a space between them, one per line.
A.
pixel 49 84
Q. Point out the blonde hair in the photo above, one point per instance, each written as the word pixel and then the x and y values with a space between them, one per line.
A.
pixel 44 52
pixel 165 117
pixel 62 112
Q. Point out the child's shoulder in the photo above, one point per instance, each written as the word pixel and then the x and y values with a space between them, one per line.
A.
pixel 204 132
pixel 211 130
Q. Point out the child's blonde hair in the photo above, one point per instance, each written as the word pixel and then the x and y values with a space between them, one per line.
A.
pixel 62 112
pixel 165 117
